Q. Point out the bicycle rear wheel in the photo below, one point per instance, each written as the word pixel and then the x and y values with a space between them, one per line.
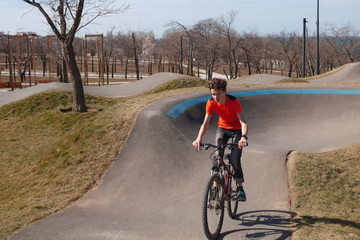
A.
pixel 213 207
pixel 232 198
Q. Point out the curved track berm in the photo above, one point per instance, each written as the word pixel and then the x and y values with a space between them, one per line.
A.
pixel 154 189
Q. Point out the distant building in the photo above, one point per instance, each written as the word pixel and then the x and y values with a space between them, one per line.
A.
pixel 29 34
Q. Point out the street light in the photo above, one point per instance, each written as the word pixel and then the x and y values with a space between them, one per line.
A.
pixel 304 47
pixel 317 42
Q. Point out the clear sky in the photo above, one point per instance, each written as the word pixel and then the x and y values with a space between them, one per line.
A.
pixel 264 16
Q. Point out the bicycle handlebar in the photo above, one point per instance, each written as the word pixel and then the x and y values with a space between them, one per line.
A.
pixel 229 146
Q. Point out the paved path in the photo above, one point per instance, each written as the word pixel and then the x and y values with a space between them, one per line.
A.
pixel 350 74
pixel 106 91
pixel 154 188
pixel 258 79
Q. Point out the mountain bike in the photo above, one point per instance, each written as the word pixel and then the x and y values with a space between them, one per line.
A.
pixel 220 187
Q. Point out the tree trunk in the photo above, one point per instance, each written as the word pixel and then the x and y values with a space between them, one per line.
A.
pixel 249 67
pixel 290 69
pixel 126 67
pixel 112 70
pixel 64 71
pixel 44 65
pixel 159 65
pixel 107 69
pixel 136 58
pixel 78 91
pixel 230 65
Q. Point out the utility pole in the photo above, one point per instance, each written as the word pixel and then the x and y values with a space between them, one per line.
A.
pixel 317 42
pixel 304 48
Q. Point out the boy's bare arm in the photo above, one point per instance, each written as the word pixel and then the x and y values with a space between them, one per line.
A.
pixel 244 129
pixel 203 129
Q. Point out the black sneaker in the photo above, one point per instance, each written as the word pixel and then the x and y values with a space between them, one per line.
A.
pixel 241 194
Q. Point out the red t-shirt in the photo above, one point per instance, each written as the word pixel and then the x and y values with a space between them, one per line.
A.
pixel 228 118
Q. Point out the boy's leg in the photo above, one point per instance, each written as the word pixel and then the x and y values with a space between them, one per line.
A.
pixel 221 138
pixel 236 163
pixel 236 160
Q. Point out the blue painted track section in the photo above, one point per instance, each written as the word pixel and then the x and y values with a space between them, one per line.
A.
pixel 179 108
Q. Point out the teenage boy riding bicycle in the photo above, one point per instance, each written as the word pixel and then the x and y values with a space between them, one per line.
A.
pixel 231 124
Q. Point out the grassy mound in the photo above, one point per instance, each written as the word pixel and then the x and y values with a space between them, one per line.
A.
pixel 325 194
pixel 185 82
pixel 50 156
pixel 293 80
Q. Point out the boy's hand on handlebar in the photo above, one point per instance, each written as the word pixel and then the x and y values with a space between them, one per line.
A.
pixel 243 142
pixel 196 144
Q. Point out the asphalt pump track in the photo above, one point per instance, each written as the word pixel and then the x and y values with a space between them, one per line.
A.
pixel 154 189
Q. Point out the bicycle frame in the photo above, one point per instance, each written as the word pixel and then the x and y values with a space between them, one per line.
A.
pixel 224 168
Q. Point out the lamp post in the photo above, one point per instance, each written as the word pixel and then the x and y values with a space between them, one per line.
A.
pixel 304 48
pixel 317 42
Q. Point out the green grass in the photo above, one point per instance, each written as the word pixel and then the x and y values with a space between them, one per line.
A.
pixel 325 194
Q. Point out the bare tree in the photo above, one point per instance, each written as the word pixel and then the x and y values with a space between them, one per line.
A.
pixel 311 56
pixel 109 53
pixel 232 39
pixel 143 47
pixel 251 46
pixel 124 50
pixel 170 46
pixel 4 49
pixel 344 42
pixel 208 44
pixel 192 40
pixel 289 47
pixel 147 49
pixel 267 51
pixel 66 18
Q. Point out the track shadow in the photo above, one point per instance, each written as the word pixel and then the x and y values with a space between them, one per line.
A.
pixel 262 224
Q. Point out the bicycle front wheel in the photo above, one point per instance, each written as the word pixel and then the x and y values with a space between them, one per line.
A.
pixel 213 207
pixel 232 198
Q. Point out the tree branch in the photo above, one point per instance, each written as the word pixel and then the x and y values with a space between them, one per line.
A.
pixel 77 21
pixel 48 19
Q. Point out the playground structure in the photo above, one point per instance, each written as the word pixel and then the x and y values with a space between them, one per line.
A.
pixel 17 78
pixel 43 54
pixel 12 81
pixel 29 66
pixel 100 58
